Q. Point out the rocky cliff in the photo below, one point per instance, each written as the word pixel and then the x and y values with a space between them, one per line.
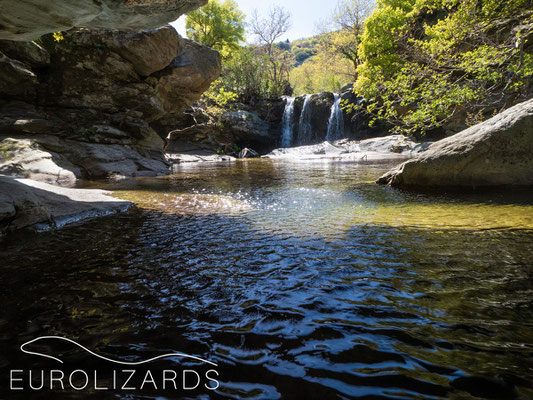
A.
pixel 84 104
pixel 84 107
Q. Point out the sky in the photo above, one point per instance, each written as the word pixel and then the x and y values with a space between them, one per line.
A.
pixel 305 14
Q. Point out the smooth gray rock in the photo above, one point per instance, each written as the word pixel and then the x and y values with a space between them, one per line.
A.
pixel 60 161
pixel 30 19
pixel 496 152
pixel 25 203
pixel 382 148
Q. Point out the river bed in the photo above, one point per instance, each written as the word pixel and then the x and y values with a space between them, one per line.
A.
pixel 301 280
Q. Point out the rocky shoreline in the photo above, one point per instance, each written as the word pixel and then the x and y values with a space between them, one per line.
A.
pixel 25 203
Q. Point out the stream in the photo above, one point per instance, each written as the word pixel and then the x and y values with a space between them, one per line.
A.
pixel 299 280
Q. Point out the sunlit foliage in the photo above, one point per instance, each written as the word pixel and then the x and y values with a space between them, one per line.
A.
pixel 423 61
pixel 219 25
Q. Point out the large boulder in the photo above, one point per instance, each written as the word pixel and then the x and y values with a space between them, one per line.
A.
pixel 494 153
pixel 189 75
pixel 154 72
pixel 27 20
pixel 147 51
pixel 245 124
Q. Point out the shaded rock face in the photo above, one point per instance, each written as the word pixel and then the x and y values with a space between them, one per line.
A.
pixel 494 153
pixel 154 73
pixel 91 104
pixel 197 132
pixel 27 20
pixel 320 110
pixel 356 122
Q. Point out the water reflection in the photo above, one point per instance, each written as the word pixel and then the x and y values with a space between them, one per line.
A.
pixel 303 284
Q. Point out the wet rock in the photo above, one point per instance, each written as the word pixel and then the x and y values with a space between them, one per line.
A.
pixel 398 144
pixel 198 156
pixel 320 110
pixel 384 148
pixel 493 153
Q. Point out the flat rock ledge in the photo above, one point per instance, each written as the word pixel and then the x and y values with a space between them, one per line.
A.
pixel 497 152
pixel 394 147
pixel 25 203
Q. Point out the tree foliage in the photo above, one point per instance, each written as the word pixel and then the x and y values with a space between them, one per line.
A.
pixel 335 61
pixel 246 74
pixel 327 70
pixel 219 25
pixel 424 61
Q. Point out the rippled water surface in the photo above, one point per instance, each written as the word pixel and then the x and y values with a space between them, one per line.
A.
pixel 302 281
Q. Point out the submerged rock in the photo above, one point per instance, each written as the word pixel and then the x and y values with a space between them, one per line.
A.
pixel 494 153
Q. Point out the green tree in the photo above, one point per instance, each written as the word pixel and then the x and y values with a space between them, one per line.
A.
pixel 348 19
pixel 267 31
pixel 219 25
pixel 425 62
pixel 246 74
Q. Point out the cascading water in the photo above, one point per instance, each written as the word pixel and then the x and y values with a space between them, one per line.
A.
pixel 305 132
pixel 336 121
pixel 287 123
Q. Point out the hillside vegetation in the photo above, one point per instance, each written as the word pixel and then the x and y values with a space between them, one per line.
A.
pixel 420 64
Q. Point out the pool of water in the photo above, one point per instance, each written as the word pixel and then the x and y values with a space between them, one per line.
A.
pixel 298 280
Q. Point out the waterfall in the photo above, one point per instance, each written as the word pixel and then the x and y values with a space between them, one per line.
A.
pixel 287 124
pixel 304 130
pixel 336 121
